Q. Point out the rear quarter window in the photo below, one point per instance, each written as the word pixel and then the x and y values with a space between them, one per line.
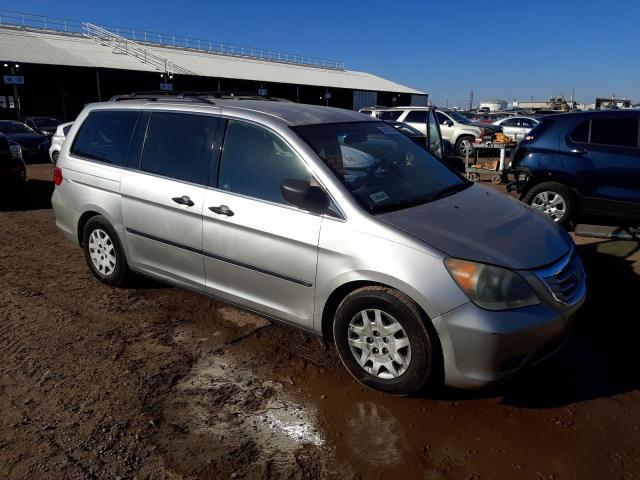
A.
pixel 580 134
pixel 105 136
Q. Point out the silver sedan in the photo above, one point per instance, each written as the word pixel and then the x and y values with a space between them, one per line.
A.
pixel 517 127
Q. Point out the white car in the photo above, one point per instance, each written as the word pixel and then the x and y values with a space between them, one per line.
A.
pixel 58 139
pixel 517 127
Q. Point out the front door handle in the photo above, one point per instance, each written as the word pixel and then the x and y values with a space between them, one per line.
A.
pixel 577 151
pixel 222 210
pixel 183 200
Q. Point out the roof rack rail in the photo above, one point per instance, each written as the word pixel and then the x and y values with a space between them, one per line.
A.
pixel 202 97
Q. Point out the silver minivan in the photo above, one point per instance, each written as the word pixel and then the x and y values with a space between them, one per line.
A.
pixel 326 219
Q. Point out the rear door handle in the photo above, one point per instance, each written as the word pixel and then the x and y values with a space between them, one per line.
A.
pixel 577 151
pixel 222 210
pixel 183 200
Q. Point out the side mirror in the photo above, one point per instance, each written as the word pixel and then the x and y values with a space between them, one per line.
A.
pixel 301 194
pixel 449 123
pixel 447 148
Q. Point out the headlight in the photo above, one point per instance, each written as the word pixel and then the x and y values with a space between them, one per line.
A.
pixel 489 287
pixel 16 151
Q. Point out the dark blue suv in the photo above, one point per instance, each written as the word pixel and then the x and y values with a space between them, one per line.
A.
pixel 577 163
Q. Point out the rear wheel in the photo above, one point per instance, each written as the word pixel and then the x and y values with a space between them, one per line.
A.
pixel 103 252
pixel 553 199
pixel 383 341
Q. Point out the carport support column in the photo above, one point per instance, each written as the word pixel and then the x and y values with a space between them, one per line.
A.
pixel 98 85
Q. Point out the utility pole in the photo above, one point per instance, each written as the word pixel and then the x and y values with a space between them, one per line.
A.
pixel 471 100
pixel 16 98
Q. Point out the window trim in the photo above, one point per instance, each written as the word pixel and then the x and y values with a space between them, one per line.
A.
pixel 100 161
pixel 340 211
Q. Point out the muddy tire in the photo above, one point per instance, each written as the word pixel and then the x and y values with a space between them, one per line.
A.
pixel 553 199
pixel 383 341
pixel 103 252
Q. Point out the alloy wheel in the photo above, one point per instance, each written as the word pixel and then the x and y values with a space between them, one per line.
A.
pixel 551 204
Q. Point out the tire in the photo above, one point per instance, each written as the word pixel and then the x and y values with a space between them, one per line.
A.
pixel 542 197
pixel 103 252
pixel 414 343
pixel 461 145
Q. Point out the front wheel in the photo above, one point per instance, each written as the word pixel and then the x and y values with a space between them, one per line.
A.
pixel 383 341
pixel 553 199
pixel 464 145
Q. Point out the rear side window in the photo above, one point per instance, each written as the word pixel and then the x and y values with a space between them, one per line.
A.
pixel 619 132
pixel 390 114
pixel 581 133
pixel 255 162
pixel 180 146
pixel 416 116
pixel 105 136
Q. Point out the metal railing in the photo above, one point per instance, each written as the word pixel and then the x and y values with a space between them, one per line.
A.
pixel 28 20
pixel 122 45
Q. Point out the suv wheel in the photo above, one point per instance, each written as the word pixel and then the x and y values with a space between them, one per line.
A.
pixel 464 145
pixel 383 341
pixel 553 199
pixel 103 252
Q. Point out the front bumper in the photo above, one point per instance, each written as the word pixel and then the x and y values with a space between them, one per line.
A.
pixel 481 347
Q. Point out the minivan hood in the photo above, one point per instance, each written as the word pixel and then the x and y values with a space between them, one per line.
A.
pixel 483 225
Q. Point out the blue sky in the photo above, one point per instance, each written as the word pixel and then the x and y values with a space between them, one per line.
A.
pixel 504 49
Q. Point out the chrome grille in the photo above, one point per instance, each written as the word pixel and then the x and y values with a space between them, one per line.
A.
pixel 565 279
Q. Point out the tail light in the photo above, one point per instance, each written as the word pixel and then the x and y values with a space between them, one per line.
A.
pixel 57 176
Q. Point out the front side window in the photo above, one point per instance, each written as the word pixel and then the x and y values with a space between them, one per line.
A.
pixel 383 169
pixel 618 132
pixel 442 118
pixel 180 146
pixel 255 162
pixel 105 136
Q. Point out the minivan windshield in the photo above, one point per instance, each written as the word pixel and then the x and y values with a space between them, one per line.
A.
pixel 382 168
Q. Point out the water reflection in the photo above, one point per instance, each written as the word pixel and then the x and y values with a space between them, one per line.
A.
pixel 374 435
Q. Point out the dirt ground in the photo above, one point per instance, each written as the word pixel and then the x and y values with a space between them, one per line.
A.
pixel 156 382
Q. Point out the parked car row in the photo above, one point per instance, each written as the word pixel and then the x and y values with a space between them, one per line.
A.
pixel 454 127
pixel 36 137
pixel 34 145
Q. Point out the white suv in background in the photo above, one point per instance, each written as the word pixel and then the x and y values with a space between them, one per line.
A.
pixel 455 127
pixel 58 139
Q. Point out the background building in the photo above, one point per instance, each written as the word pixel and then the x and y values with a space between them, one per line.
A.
pixel 55 67
pixel 494 104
